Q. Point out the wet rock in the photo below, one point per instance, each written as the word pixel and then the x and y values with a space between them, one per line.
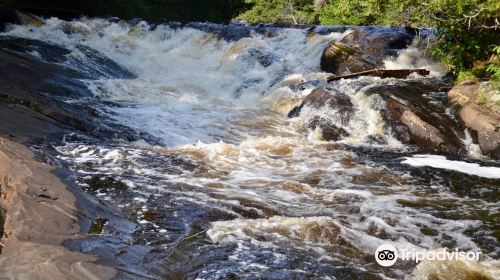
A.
pixel 480 113
pixel 100 65
pixel 43 85
pixel 340 58
pixel 327 99
pixel 364 49
pixel 29 19
pixel 265 59
pixel 380 41
pixel 321 97
pixel 295 112
pixel 327 130
pixel 424 134
pixel 234 32
pixel 11 16
pixel 415 118
pixel 486 125
pixel 38 239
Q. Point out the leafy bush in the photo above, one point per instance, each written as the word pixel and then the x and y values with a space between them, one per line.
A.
pixel 280 11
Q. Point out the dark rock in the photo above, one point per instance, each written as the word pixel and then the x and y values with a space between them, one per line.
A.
pixel 426 136
pixel 295 112
pixel 321 97
pixel 234 32
pixel 339 58
pixel 414 118
pixel 329 131
pixel 98 65
pixel 265 59
pixel 336 101
pixel 379 41
pixel 376 139
pixel 364 49
pixel 43 86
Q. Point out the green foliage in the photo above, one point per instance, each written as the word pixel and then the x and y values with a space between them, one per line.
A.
pixel 466 29
pixel 464 75
pixel 493 68
pixel 350 12
pixel 280 11
pixel 481 99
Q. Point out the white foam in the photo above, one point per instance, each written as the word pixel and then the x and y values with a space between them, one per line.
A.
pixel 460 166
pixel 191 85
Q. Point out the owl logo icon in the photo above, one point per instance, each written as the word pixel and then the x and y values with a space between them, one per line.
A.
pixel 386 255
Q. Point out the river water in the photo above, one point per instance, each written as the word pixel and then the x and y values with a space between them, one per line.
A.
pixel 224 185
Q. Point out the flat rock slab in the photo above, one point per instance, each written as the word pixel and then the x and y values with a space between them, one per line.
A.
pixel 40 215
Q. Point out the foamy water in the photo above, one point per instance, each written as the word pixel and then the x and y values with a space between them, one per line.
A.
pixel 460 166
pixel 283 195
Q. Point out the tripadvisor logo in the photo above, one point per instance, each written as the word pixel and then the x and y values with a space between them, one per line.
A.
pixel 387 255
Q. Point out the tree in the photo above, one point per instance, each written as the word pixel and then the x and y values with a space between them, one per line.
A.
pixel 280 11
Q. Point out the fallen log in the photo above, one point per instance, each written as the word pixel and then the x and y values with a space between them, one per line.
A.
pixel 382 73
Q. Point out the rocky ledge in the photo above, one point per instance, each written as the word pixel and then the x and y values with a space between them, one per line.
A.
pixel 478 108
pixel 427 113
pixel 40 214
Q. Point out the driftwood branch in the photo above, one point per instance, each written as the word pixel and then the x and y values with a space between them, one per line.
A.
pixel 382 73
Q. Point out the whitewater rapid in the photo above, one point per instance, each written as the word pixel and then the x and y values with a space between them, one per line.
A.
pixel 216 110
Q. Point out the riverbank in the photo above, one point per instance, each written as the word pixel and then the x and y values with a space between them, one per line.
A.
pixel 179 176
pixel 40 215
pixel 41 211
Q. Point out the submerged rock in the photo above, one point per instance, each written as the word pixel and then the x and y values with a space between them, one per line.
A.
pixel 327 130
pixel 327 99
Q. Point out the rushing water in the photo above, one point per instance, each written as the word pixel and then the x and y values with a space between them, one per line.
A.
pixel 224 185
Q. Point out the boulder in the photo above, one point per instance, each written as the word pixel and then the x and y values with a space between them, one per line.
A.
pixel 327 99
pixel 486 125
pixel 425 135
pixel 29 19
pixel 327 130
pixel 364 49
pixel 379 41
pixel 340 58
pixel 478 110
pixel 321 97
pixel 414 116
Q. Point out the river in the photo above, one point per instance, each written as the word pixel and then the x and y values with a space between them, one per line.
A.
pixel 223 185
